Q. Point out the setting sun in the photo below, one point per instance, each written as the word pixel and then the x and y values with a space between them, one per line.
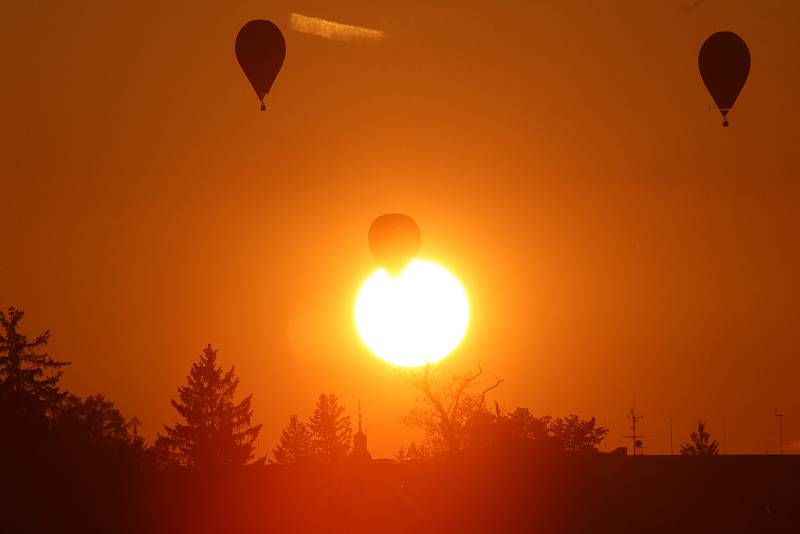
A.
pixel 412 319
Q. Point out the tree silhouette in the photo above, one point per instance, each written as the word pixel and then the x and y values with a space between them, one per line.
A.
pixel 521 428
pixel 28 378
pixel 701 443
pixel 523 425
pixel 217 431
pixel 451 407
pixel 95 426
pixel 164 453
pixel 331 431
pixel 575 434
pixel 295 445
pixel 97 416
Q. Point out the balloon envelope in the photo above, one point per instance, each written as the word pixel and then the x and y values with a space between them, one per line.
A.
pixel 260 50
pixel 724 63
pixel 394 240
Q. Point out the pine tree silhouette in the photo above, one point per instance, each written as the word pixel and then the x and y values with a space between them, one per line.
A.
pixel 331 431
pixel 295 444
pixel 28 378
pixel 701 444
pixel 217 431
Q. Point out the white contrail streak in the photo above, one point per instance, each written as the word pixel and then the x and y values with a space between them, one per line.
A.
pixel 334 30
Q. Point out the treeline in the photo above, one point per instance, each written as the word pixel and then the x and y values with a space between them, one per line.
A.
pixel 38 417
pixel 72 463
pixel 326 437
pixel 215 429
pixel 65 460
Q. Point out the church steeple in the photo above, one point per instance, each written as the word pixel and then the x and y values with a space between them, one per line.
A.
pixel 360 452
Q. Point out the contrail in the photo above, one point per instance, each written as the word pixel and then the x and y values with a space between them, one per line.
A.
pixel 334 30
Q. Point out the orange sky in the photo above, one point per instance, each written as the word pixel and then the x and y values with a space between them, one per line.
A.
pixel 560 158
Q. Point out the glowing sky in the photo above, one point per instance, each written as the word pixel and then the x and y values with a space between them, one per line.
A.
pixel 560 157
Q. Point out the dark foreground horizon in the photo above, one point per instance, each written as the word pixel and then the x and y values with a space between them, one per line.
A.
pixel 489 491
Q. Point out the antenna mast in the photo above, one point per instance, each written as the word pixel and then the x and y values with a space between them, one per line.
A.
pixel 637 442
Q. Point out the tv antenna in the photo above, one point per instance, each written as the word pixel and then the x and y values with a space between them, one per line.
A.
pixel 637 441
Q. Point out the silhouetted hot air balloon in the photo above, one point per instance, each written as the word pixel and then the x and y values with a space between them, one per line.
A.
pixel 394 240
pixel 260 49
pixel 724 65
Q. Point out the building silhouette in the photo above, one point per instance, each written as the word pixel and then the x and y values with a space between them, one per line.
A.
pixel 360 452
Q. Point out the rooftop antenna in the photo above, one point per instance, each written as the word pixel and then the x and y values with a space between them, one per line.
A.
pixel 637 442
pixel 779 420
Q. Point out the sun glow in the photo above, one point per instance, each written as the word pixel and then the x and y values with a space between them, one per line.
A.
pixel 412 319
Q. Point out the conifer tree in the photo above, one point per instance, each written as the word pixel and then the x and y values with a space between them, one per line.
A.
pixel 331 431
pixel 28 377
pixel 217 431
pixel 701 443
pixel 295 443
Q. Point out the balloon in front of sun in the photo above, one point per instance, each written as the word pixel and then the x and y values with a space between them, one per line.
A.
pixel 411 312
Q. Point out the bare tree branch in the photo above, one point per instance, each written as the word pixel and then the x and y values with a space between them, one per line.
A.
pixel 451 406
pixel 446 425
pixel 487 390
pixel 464 383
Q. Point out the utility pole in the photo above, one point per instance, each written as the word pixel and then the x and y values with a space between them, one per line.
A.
pixel 779 418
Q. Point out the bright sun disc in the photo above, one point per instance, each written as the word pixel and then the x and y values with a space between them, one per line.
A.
pixel 412 319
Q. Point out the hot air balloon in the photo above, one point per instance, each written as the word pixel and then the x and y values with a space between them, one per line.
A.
pixel 394 240
pixel 260 49
pixel 724 65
